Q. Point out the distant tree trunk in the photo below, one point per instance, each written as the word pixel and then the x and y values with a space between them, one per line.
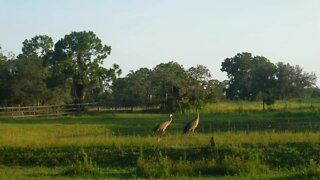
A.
pixel 80 93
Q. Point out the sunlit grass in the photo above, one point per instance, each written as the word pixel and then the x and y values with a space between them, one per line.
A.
pixel 46 173
pixel 127 134
pixel 99 135
pixel 258 106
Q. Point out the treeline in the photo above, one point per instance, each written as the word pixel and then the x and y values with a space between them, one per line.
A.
pixel 172 87
pixel 46 73
pixel 71 70
pixel 255 78
pixel 168 85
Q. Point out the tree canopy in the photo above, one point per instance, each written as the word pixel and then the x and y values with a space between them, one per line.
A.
pixel 79 56
pixel 46 73
pixel 71 70
pixel 168 85
pixel 257 78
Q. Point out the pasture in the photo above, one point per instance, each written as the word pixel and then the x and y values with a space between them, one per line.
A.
pixel 281 143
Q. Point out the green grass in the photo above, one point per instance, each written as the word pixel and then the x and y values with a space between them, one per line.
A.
pixel 286 140
pixel 235 169
pixel 141 124
pixel 159 167
pixel 257 106
pixel 47 173
pixel 39 136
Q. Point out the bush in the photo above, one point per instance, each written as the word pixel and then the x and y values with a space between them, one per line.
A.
pixel 311 172
pixel 155 167
pixel 82 167
pixel 161 167
pixel 196 168
pixel 239 166
pixel 232 166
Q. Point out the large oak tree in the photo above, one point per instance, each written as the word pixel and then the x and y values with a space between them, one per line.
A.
pixel 79 57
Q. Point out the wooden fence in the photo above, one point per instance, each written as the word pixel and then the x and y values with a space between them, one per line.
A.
pixel 34 111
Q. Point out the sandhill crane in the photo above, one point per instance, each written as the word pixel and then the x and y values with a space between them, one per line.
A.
pixel 192 125
pixel 161 127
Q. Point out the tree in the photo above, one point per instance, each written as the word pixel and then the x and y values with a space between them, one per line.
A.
pixel 238 69
pixel 27 86
pixel 263 80
pixel 39 46
pixel 22 79
pixel 199 77
pixel 284 84
pixel 315 92
pixel 251 78
pixel 79 56
pixel 3 77
pixel 292 81
pixel 302 81
pixel 215 90
pixel 140 86
pixel 33 74
pixel 134 89
pixel 31 78
pixel 2 56
pixel 168 85
pixel 170 82
pixel 120 93
pixel 101 81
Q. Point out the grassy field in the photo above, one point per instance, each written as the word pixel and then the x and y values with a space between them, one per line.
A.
pixel 281 143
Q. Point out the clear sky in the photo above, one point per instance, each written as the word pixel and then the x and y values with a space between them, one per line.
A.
pixel 144 33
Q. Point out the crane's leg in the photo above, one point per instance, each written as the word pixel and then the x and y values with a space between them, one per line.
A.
pixel 158 134
pixel 162 133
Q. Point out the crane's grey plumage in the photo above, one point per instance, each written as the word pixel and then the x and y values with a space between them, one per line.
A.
pixel 192 125
pixel 161 127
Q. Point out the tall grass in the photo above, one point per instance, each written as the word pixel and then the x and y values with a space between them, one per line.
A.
pixel 163 167
pixel 82 167
pixel 248 143
pixel 99 135
pixel 258 106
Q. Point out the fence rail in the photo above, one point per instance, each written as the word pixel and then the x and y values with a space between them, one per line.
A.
pixel 34 111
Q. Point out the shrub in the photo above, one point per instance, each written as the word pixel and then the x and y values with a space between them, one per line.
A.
pixel 311 172
pixel 196 168
pixel 239 166
pixel 183 169
pixel 232 165
pixel 162 167
pixel 155 167
pixel 82 167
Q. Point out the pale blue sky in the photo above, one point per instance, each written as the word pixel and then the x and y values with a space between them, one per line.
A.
pixel 144 33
